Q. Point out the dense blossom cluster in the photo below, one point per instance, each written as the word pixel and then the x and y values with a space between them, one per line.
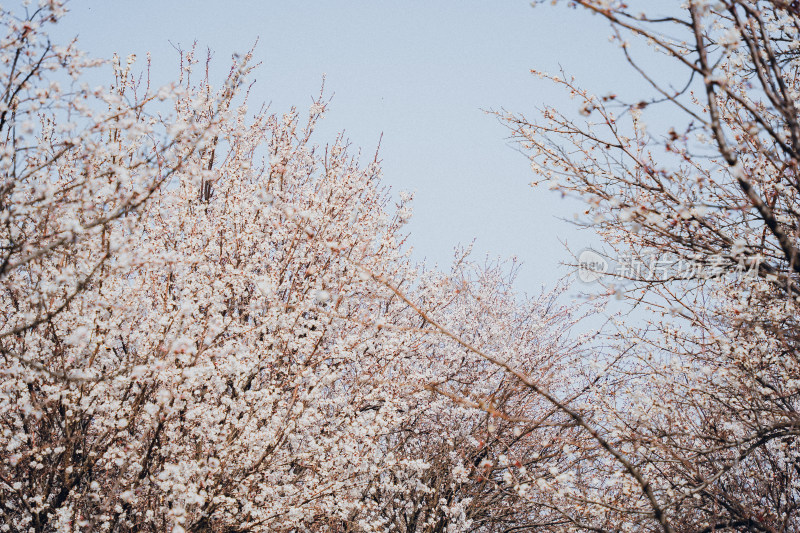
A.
pixel 209 323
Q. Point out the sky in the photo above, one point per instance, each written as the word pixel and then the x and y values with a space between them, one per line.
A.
pixel 421 75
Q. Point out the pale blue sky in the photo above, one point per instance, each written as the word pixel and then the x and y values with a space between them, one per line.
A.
pixel 418 72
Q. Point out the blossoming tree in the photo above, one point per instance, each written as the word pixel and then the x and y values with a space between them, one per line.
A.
pixel 698 420
pixel 207 320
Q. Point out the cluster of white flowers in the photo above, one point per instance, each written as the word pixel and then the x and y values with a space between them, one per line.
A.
pixel 202 327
